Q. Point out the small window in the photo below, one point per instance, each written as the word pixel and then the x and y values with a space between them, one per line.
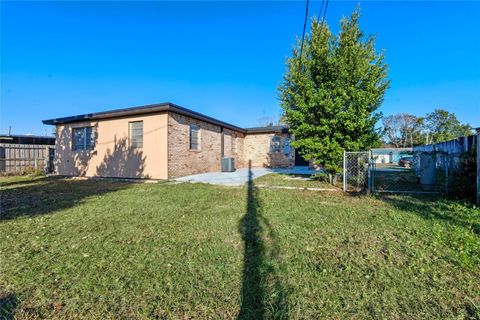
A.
pixel 83 138
pixel 275 144
pixel 194 137
pixel 234 144
pixel 286 147
pixel 136 134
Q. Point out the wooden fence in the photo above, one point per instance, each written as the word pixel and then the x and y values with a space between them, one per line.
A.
pixel 16 158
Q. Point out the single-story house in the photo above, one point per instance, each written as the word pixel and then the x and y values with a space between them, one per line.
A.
pixel 162 141
pixel 390 155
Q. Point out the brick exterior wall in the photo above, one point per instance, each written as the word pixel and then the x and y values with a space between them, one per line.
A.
pixel 258 150
pixel 166 148
pixel 182 161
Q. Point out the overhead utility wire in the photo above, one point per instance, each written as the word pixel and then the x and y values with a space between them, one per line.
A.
pixel 321 10
pixel 303 34
pixel 325 11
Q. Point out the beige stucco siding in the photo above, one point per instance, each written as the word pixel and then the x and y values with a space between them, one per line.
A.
pixel 112 155
pixel 166 148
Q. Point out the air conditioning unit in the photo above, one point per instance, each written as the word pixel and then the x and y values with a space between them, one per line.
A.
pixel 228 164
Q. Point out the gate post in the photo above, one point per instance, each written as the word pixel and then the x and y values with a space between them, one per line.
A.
pixel 369 173
pixel 344 171
pixel 478 167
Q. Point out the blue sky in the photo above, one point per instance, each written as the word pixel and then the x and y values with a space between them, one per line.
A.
pixel 224 59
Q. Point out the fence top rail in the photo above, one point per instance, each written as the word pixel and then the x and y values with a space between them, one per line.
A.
pixel 24 146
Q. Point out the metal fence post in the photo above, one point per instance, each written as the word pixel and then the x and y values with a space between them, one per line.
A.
pixel 372 174
pixel 478 167
pixel 369 174
pixel 344 171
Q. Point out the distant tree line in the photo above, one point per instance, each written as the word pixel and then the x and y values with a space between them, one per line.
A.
pixel 406 130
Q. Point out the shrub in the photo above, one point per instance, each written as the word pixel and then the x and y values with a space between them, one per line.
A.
pixel 321 176
pixel 462 182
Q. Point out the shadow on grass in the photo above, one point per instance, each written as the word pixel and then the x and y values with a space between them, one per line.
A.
pixel 8 304
pixel 263 295
pixel 49 194
pixel 432 207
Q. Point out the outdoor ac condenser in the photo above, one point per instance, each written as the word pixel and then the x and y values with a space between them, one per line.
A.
pixel 228 165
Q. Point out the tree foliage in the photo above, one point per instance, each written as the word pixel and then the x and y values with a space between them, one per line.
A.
pixel 403 130
pixel 330 95
pixel 442 125
pixel 406 130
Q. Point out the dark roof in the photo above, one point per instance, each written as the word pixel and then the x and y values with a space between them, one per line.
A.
pixel 268 129
pixel 26 139
pixel 146 109
pixel 159 107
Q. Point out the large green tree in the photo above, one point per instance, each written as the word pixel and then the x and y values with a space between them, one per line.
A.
pixel 331 93
pixel 442 125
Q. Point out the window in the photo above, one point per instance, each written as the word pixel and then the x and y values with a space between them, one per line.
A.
pixel 286 147
pixel 234 144
pixel 275 146
pixel 136 134
pixel 83 138
pixel 194 137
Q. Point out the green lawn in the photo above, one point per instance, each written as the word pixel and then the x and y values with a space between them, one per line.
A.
pixel 292 180
pixel 100 249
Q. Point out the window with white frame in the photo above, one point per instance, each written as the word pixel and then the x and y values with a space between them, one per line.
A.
pixel 136 134
pixel 275 144
pixel 195 139
pixel 83 138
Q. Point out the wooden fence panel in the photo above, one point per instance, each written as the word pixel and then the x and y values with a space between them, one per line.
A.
pixel 19 157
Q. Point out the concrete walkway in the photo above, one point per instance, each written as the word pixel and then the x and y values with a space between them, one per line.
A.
pixel 240 176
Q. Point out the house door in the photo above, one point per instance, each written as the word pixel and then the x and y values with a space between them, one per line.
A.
pixel 299 161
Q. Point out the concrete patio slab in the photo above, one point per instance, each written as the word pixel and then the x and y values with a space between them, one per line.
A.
pixel 240 176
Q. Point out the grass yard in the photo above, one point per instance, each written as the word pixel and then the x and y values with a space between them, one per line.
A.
pixel 291 180
pixel 404 180
pixel 100 249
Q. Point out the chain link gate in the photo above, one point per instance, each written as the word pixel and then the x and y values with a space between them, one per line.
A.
pixel 356 171
pixel 415 172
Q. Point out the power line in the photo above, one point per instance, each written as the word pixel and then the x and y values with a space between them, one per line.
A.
pixel 303 34
pixel 321 9
pixel 325 11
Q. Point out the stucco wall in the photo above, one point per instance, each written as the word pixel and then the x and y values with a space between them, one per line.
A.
pixel 182 161
pixel 257 149
pixel 166 149
pixel 112 156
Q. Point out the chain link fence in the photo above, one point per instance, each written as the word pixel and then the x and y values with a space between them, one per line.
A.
pixel 416 172
pixel 356 171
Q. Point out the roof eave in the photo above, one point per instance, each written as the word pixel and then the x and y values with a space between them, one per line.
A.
pixel 154 108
